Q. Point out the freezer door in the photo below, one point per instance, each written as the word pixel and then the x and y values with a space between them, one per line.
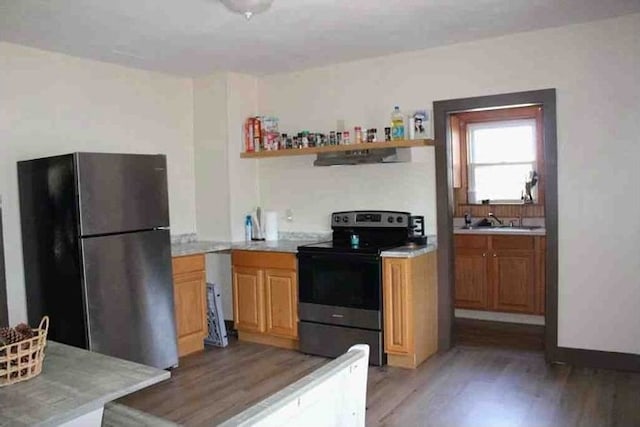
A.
pixel 129 297
pixel 121 192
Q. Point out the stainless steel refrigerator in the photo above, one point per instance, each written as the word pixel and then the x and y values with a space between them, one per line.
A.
pixel 97 253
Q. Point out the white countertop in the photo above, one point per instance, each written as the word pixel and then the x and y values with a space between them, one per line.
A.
pixel 288 246
pixel 409 251
pixel 202 247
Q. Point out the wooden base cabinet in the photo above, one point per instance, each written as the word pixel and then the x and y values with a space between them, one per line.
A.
pixel 500 273
pixel 248 299
pixel 410 309
pixel 190 301
pixel 265 297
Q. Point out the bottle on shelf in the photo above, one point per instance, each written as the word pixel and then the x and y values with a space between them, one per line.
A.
pixel 397 124
pixel 358 135
pixel 248 228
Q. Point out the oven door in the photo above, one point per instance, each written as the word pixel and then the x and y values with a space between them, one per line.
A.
pixel 340 289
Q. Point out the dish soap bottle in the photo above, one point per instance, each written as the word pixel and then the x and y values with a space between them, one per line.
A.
pixel 248 228
pixel 397 124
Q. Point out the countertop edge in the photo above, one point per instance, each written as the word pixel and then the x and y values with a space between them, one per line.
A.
pixel 286 246
pixel 408 252
pixel 102 401
pixel 503 232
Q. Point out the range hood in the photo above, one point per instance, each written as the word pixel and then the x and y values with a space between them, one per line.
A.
pixel 363 157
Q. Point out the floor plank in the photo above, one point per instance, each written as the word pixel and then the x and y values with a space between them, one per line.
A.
pixel 469 385
pixel 498 334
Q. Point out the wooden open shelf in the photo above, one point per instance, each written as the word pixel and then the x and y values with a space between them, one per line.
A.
pixel 406 143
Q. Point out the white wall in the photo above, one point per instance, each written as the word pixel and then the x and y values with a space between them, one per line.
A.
pixel 222 101
pixel 226 186
pixel 54 104
pixel 595 68
pixel 242 102
pixel 211 157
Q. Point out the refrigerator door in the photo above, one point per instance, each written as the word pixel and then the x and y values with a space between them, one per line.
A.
pixel 129 297
pixel 121 192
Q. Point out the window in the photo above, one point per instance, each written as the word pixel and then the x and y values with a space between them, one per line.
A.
pixel 492 153
pixel 501 157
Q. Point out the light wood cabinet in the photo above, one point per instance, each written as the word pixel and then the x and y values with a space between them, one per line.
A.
pixel 397 297
pixel 281 302
pixel 500 273
pixel 190 302
pixel 265 297
pixel 513 281
pixel 248 299
pixel 471 282
pixel 410 309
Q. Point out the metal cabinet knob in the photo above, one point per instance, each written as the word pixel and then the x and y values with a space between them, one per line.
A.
pixel 484 254
pixel 494 255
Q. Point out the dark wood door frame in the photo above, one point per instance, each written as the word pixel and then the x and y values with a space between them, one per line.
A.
pixel 444 192
pixel 445 205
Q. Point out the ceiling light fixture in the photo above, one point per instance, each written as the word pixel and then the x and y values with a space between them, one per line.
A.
pixel 247 7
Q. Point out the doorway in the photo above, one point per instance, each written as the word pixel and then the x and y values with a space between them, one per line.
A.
pixel 447 197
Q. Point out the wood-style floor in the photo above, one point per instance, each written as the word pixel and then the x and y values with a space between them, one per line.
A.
pixel 466 386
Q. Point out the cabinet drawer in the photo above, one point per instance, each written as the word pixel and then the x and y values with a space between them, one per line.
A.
pixel 512 242
pixel 188 264
pixel 263 259
pixel 470 241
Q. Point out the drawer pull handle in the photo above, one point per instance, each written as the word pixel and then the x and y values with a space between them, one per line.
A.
pixel 339 316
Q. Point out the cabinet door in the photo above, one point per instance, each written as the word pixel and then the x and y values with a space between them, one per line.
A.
pixel 191 311
pixel 471 280
pixel 281 291
pixel 397 308
pixel 513 278
pixel 248 299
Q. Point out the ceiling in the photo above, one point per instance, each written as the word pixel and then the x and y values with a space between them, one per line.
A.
pixel 197 37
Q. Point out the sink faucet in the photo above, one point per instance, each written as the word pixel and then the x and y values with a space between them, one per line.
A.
pixel 491 215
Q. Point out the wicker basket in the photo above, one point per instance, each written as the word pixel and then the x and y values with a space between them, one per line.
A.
pixel 23 360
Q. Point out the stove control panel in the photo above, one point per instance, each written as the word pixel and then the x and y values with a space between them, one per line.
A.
pixel 371 219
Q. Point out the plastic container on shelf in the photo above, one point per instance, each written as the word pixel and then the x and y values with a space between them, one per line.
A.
pixel 397 124
pixel 358 135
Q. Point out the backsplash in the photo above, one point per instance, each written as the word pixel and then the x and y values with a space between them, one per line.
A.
pixel 525 211
pixel 300 235
pixel 514 210
pixel 179 239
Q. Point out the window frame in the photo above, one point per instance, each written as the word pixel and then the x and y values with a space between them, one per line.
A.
pixel 458 128
pixel 472 166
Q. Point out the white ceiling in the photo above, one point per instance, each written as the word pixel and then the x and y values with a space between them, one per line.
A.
pixel 196 37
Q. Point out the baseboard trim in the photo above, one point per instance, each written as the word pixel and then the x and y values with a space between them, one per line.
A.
pixel 598 359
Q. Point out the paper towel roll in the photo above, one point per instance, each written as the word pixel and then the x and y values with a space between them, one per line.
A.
pixel 271 225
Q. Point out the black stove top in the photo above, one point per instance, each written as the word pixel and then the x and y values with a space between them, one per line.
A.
pixel 364 232
pixel 337 247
